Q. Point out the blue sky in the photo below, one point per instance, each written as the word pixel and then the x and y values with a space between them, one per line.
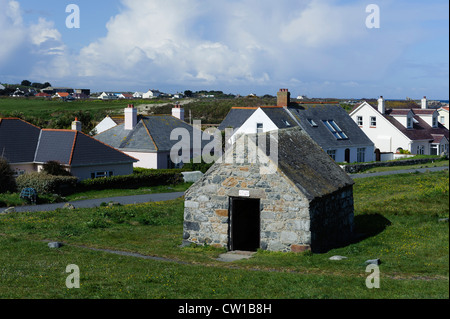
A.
pixel 314 47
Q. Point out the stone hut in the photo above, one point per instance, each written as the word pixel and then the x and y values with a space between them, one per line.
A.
pixel 306 203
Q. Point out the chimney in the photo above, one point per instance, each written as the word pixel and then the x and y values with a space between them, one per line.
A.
pixel 381 105
pixel 283 98
pixel 424 103
pixel 130 117
pixel 178 112
pixel 76 125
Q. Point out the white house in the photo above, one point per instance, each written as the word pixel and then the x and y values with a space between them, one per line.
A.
pixel 327 124
pixel 108 96
pixel 444 117
pixel 138 95
pixel 151 94
pixel 148 138
pixel 416 130
pixel 2 87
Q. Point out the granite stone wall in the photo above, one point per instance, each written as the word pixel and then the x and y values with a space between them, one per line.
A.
pixel 287 216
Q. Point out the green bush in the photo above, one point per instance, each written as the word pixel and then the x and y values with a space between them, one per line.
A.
pixel 137 180
pixel 47 184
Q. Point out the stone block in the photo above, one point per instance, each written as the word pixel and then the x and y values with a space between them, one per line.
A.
pixel 222 212
pixel 191 204
pixel 192 177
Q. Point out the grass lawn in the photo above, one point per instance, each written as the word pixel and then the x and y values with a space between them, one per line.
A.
pixel 398 216
pixel 440 163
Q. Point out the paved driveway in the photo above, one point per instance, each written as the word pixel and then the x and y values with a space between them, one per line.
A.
pixel 124 200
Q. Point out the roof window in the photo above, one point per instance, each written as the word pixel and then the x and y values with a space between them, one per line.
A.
pixel 335 130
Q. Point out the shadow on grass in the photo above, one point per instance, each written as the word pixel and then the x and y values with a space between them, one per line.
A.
pixel 369 225
pixel 365 226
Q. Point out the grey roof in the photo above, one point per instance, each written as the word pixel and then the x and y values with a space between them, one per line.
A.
pixel 18 140
pixel 22 142
pixel 151 134
pixel 55 146
pixel 236 117
pixel 302 160
pixel 280 117
pixel 321 134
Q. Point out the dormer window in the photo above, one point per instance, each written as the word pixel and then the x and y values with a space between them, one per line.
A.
pixel 410 122
pixel 435 121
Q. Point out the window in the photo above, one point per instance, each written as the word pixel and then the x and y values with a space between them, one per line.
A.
pixel 259 128
pixel 361 155
pixel 434 149
pixel 420 150
pixel 373 121
pixel 442 120
pixel 435 122
pixel 313 124
pixel 102 174
pixel 359 120
pixel 410 122
pixel 332 154
pixel 335 130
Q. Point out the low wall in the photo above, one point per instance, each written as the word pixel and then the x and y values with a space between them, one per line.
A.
pixel 352 169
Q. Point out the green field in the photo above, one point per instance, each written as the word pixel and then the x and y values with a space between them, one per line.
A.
pixel 398 217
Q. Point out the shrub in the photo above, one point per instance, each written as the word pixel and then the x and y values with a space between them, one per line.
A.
pixel 44 183
pixel 137 180
pixel 7 180
pixel 55 168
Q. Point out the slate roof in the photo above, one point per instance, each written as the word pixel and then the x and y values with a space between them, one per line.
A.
pixel 321 134
pixel 18 140
pixel 23 142
pixel 279 117
pixel 236 117
pixel 302 160
pixel 151 134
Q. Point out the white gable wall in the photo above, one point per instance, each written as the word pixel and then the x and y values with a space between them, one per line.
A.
pixel 249 126
pixel 444 117
pixel 105 125
pixel 385 136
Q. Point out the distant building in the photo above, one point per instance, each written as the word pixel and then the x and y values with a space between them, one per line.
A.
pixel 108 96
pixel 327 124
pixel 86 92
pixel 147 138
pixel 416 130
pixel 150 94
pixel 27 148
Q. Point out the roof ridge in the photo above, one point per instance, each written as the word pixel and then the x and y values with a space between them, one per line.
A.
pixel 73 147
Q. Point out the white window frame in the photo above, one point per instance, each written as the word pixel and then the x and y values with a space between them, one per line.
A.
pixel 360 120
pixel 373 121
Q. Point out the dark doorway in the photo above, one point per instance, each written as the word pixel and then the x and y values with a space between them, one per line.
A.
pixel 244 230
pixel 347 155
pixel 377 155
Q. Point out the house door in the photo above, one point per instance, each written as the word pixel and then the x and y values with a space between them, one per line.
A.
pixel 244 226
pixel 378 155
pixel 347 155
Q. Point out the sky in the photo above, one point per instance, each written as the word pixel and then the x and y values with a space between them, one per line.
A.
pixel 315 48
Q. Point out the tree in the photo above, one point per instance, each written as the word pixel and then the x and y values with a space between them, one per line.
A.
pixel 188 93
pixel 7 180
pixel 55 168
pixel 26 83
pixel 46 85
